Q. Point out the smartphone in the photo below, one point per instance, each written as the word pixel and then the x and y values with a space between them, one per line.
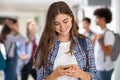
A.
pixel 65 67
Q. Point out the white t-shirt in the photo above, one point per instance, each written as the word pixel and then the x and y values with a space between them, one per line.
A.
pixel 64 59
pixel 109 39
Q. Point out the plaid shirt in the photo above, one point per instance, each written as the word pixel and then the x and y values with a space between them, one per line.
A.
pixel 80 57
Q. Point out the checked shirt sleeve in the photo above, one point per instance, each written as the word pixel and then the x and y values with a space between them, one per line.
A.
pixel 91 60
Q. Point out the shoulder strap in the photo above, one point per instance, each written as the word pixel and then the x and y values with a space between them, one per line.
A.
pixel 108 30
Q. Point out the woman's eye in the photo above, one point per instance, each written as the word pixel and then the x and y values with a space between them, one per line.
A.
pixel 65 21
pixel 56 24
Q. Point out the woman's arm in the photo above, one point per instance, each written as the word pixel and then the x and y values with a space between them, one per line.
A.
pixel 24 56
pixel 23 51
pixel 51 77
pixel 91 59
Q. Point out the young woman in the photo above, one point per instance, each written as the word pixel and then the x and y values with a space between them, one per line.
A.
pixel 33 40
pixel 59 55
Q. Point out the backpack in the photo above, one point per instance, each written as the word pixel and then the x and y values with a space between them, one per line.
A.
pixel 2 61
pixel 116 46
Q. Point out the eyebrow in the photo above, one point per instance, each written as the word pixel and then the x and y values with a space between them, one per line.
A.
pixel 62 20
pixel 65 19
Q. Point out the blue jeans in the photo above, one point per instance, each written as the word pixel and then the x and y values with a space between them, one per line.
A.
pixel 104 75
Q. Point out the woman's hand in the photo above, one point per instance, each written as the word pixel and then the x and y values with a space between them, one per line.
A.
pixel 59 71
pixel 76 72
pixel 72 71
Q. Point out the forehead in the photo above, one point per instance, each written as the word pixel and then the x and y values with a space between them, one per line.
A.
pixel 99 17
pixel 61 17
pixel 32 25
pixel 85 21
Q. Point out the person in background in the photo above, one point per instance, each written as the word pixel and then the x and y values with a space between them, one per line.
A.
pixel 88 33
pixel 59 55
pixel 33 40
pixel 24 55
pixel 103 45
pixel 11 37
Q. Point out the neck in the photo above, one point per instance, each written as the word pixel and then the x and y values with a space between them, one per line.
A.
pixel 32 38
pixel 87 30
pixel 103 26
pixel 64 38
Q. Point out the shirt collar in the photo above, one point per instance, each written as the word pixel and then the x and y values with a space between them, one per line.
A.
pixel 103 31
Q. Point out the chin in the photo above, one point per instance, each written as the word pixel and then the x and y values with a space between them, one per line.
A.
pixel 65 34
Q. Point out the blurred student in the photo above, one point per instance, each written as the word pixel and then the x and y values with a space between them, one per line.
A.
pixel 11 37
pixel 88 33
pixel 104 43
pixel 33 40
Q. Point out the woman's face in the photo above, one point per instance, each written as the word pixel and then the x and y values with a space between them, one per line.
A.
pixel 63 24
pixel 14 27
pixel 32 28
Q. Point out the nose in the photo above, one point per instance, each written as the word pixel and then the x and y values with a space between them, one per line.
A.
pixel 62 26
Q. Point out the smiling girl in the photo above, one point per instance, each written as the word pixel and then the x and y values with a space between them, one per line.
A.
pixel 59 55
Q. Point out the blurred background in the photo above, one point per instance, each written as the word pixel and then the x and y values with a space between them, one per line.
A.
pixel 25 10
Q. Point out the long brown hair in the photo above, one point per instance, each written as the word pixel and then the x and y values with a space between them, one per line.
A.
pixel 47 39
pixel 27 29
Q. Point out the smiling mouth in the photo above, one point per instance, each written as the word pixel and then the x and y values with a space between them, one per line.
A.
pixel 63 30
